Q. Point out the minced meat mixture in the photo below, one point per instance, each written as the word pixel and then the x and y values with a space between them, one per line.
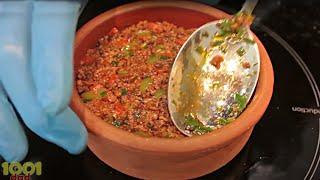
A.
pixel 124 79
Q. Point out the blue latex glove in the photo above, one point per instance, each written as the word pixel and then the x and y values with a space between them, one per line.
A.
pixel 36 50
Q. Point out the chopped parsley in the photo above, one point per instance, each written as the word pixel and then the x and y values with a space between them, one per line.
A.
pixel 196 126
pixel 159 93
pixel 249 41
pixel 153 58
pixel 225 121
pixel 123 91
pixel 241 51
pixel 241 101
pixel 102 92
pixel 114 63
pixel 145 84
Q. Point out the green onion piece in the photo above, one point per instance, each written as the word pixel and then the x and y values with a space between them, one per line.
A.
pixel 160 46
pixel 159 93
pixel 88 96
pixel 152 59
pixel 164 57
pixel 122 72
pixel 192 122
pixel 196 125
pixel 102 92
pixel 200 49
pixel 114 63
pixel 203 129
pixel 145 84
pixel 225 25
pixel 129 53
pixel 241 51
pixel 249 41
pixel 216 43
pixel 144 45
pixel 127 50
pixel 124 91
pixel 225 121
pixel 241 100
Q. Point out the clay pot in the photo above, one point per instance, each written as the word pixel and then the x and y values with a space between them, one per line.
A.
pixel 160 158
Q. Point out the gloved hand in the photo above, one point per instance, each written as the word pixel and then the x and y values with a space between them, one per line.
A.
pixel 36 51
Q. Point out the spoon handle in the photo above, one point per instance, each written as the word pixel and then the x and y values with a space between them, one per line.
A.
pixel 249 6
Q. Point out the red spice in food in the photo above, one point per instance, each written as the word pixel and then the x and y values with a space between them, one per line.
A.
pixel 216 61
pixel 246 65
pixel 132 67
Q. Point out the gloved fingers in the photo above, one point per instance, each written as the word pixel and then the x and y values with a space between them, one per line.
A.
pixel 13 141
pixel 77 132
pixel 53 32
pixel 17 80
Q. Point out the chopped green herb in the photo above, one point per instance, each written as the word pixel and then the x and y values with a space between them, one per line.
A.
pixel 116 123
pixel 200 49
pixel 124 91
pixel 145 84
pixel 249 41
pixel 160 47
pixel 127 50
pixel 159 93
pixel 192 122
pixel 225 25
pixel 203 129
pixel 153 58
pixel 114 63
pixel 102 92
pixel 196 126
pixel 225 121
pixel 223 48
pixel 122 72
pixel 241 100
pixel 241 51
pixel 224 33
pixel 164 57
pixel 144 45
pixel 88 96
pixel 216 43
pixel 129 53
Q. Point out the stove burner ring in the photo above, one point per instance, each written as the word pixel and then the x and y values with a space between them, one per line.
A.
pixel 316 159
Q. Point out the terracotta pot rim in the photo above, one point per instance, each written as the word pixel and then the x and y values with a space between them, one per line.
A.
pixel 215 139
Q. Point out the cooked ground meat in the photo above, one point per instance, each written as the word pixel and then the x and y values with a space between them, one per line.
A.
pixel 124 79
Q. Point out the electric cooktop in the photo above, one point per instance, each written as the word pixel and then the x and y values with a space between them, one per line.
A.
pixel 283 145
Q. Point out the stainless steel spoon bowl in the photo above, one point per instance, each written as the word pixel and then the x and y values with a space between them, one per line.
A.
pixel 210 84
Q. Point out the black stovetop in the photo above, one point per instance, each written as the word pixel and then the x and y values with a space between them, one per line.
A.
pixel 284 144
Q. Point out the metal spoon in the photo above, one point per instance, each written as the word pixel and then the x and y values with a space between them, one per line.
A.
pixel 212 81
